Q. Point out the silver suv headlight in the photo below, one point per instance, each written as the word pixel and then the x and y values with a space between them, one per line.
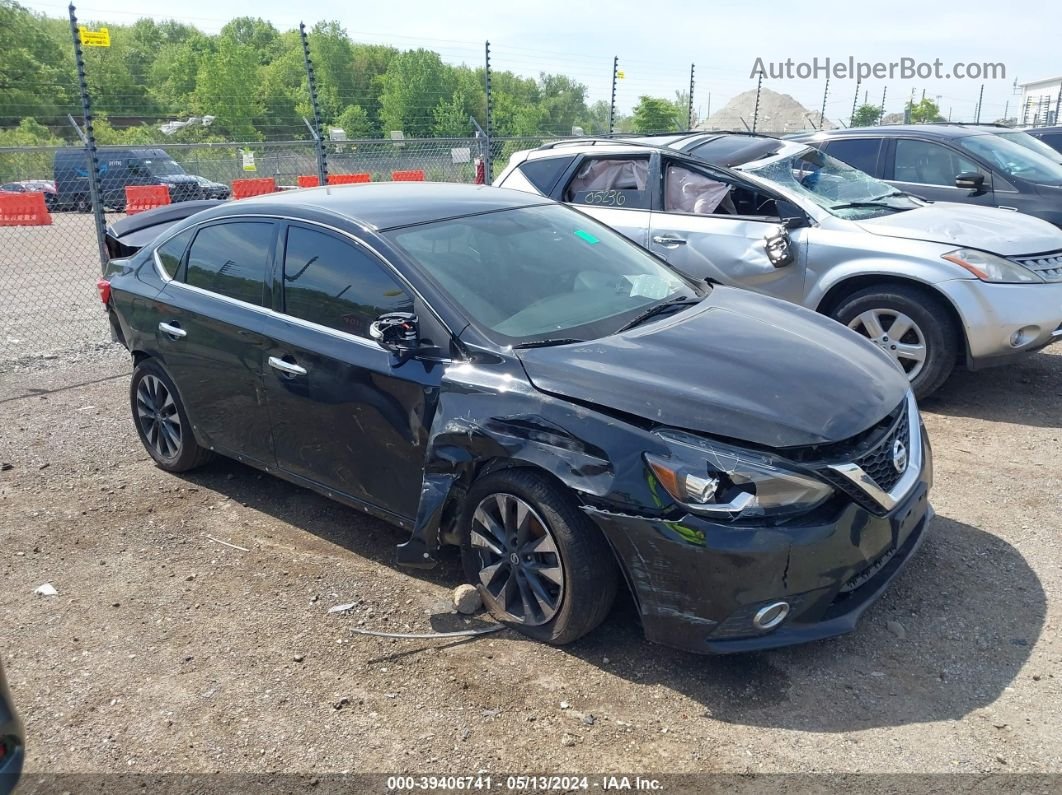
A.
pixel 990 267
pixel 726 482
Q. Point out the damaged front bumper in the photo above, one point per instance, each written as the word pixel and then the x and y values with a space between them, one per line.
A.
pixel 700 584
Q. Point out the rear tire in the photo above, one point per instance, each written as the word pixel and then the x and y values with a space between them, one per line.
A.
pixel 911 325
pixel 161 420
pixel 548 572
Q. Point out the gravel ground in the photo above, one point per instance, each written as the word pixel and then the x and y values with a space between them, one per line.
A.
pixel 169 651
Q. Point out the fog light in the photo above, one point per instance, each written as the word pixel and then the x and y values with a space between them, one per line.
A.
pixel 1023 336
pixel 771 616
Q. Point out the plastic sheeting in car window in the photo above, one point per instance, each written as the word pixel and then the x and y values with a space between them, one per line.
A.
pixel 689 192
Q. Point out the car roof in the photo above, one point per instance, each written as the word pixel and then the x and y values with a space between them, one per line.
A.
pixel 721 148
pixel 386 205
pixel 941 130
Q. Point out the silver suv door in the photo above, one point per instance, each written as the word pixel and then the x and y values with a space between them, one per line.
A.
pixel 614 189
pixel 709 226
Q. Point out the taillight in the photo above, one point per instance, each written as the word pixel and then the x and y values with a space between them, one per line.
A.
pixel 104 288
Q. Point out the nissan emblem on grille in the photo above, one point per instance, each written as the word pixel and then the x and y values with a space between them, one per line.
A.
pixel 899 456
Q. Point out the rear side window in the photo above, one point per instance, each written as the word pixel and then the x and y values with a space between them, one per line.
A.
pixel 337 284
pixel 231 259
pixel 927 163
pixel 611 182
pixel 170 253
pixel 545 172
pixel 1054 140
pixel 861 153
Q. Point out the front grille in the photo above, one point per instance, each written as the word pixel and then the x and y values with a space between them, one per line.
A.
pixel 1047 266
pixel 878 462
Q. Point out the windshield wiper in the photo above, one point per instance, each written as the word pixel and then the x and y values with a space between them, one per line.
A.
pixel 873 201
pixel 546 343
pixel 659 309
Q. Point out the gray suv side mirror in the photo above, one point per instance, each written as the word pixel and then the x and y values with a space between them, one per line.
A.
pixel 970 180
pixel 778 245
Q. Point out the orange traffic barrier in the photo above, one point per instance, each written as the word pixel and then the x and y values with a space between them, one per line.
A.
pixel 245 188
pixel 24 209
pixel 139 198
pixel 408 176
pixel 308 181
pixel 348 179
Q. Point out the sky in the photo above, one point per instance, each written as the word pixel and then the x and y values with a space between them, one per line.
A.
pixel 656 42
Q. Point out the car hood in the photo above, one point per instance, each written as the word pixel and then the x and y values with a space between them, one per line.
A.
pixel 737 365
pixel 179 179
pixel 1001 232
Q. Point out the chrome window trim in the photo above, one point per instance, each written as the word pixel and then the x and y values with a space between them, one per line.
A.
pixel 890 499
pixel 281 315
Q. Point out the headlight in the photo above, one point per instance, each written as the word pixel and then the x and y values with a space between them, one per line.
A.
pixel 989 267
pixel 730 483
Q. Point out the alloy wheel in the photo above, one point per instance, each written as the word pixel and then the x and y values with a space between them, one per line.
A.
pixel 521 571
pixel 158 417
pixel 896 334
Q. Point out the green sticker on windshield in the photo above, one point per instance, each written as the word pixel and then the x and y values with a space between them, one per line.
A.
pixel 584 235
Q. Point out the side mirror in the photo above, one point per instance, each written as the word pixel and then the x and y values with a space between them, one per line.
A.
pixel 397 332
pixel 792 216
pixel 777 243
pixel 970 180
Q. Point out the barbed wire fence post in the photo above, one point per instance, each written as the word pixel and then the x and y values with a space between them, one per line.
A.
pixel 612 101
pixel 689 110
pixel 980 99
pixel 316 129
pixel 822 113
pixel 881 116
pixel 488 157
pixel 89 139
pixel 756 107
pixel 855 102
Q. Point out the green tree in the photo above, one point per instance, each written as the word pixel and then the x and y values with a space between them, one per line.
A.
pixel 355 122
pixel 36 80
pixel 653 114
pixel 252 32
pixel 866 115
pixel 225 89
pixel 412 86
pixel 924 112
pixel 563 101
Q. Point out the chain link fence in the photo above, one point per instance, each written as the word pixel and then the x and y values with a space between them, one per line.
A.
pixel 49 260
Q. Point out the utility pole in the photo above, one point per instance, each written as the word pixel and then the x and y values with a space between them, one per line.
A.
pixel 689 110
pixel 980 99
pixel 612 103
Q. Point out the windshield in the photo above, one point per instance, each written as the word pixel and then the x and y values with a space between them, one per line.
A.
pixel 1032 143
pixel 535 274
pixel 835 186
pixel 1013 159
pixel 163 168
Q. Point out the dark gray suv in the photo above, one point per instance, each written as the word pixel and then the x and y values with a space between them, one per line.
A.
pixel 953 163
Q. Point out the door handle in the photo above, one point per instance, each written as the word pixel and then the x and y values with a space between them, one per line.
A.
pixel 288 368
pixel 665 240
pixel 174 330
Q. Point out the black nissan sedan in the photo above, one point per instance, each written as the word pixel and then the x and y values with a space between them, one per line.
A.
pixel 12 750
pixel 488 369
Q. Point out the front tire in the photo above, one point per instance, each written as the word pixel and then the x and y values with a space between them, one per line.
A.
pixel 540 565
pixel 911 325
pixel 161 420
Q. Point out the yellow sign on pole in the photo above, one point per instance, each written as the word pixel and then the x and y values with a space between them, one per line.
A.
pixel 94 38
pixel 620 74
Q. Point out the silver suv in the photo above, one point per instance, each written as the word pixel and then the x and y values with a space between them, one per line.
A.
pixel 931 283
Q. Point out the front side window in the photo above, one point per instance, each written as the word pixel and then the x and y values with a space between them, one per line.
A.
pixel 687 191
pixel 611 182
pixel 171 252
pixel 543 273
pixel 1014 160
pixel 336 284
pixel 927 163
pixel 231 259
